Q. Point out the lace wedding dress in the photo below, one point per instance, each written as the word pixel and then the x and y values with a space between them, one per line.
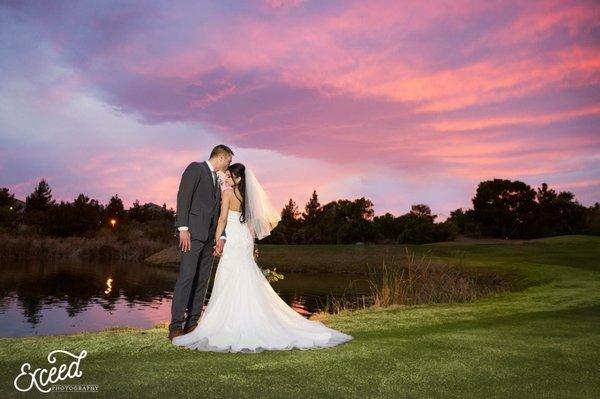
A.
pixel 244 313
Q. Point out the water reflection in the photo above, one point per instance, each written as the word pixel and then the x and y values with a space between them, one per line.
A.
pixel 108 286
pixel 53 298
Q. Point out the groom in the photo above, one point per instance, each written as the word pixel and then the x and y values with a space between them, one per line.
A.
pixel 198 206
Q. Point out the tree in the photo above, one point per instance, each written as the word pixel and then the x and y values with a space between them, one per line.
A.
pixel 553 213
pixel 59 220
pixel 9 215
pixel 345 214
pixel 148 212
pixel 6 198
pixel 287 228
pixel 465 223
pixel 387 226
pixel 290 213
pixel 114 209
pixel 357 230
pixel 290 221
pixel 418 227
pixel 41 198
pixel 310 232
pixel 87 214
pixel 593 219
pixel 571 215
pixel 74 219
pixel 136 212
pixel 422 210
pixel 37 206
pixel 504 207
pixel 312 209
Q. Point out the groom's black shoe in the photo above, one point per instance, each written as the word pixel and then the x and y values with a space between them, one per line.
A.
pixel 191 328
pixel 175 333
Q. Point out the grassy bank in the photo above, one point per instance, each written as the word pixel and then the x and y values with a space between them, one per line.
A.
pixel 542 341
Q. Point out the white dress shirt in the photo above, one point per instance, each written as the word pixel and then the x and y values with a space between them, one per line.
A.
pixel 213 174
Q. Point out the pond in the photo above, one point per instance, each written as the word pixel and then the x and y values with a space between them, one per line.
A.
pixel 63 297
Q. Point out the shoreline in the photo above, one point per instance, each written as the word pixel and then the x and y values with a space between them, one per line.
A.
pixel 529 281
pixel 324 315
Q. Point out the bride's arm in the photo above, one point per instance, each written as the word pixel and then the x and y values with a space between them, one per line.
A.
pixel 226 195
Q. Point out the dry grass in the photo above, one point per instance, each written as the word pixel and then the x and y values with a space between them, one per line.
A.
pixel 25 247
pixel 415 280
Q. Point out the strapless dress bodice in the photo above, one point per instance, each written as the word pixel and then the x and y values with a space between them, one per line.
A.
pixel 233 215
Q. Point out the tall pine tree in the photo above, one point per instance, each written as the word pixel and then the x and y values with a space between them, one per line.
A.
pixel 290 214
pixel 41 198
pixel 311 232
pixel 38 206
pixel 312 209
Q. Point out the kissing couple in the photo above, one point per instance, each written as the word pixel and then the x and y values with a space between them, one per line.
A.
pixel 223 217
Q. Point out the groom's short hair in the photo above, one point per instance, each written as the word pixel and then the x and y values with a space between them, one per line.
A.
pixel 221 149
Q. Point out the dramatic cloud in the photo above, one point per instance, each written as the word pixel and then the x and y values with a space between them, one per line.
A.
pixel 399 102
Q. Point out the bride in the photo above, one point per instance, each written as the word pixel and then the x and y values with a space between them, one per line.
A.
pixel 244 313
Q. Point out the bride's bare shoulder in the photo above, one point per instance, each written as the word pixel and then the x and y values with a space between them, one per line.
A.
pixel 226 194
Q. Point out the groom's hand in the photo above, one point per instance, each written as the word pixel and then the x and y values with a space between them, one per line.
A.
pixel 185 242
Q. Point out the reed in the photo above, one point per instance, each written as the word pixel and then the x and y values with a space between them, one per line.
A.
pixel 415 280
pixel 29 247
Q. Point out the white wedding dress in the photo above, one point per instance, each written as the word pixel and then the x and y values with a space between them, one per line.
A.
pixel 244 313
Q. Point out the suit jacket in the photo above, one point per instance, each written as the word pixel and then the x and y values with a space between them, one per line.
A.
pixel 198 202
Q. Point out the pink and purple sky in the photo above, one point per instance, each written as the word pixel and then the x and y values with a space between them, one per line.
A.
pixel 402 102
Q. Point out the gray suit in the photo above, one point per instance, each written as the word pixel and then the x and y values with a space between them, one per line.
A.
pixel 198 206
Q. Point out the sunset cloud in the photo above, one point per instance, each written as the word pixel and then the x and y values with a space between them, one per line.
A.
pixel 399 102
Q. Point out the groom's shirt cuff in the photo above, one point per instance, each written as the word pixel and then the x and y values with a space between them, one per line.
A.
pixel 184 228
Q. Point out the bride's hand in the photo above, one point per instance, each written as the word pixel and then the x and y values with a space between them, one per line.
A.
pixel 218 247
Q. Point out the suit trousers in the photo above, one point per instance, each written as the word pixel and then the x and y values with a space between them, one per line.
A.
pixel 192 283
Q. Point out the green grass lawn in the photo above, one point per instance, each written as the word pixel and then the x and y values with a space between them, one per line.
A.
pixel 540 341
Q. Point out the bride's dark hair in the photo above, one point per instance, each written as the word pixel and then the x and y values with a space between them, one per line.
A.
pixel 239 170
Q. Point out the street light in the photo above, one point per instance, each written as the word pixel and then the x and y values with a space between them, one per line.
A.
pixel 113 222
